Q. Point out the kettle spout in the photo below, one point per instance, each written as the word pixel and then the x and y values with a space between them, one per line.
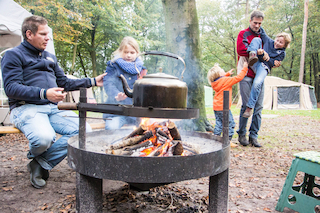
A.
pixel 126 87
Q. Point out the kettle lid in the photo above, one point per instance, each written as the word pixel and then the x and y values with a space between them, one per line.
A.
pixel 160 75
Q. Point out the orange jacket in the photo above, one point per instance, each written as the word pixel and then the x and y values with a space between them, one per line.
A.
pixel 225 83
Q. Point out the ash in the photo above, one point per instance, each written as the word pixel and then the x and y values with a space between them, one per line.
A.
pixel 167 198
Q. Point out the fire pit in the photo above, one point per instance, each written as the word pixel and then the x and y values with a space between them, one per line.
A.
pixel 87 156
pixel 94 162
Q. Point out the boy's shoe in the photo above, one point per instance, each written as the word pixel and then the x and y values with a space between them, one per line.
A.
pixel 243 141
pixel 247 113
pixel 254 142
pixel 252 58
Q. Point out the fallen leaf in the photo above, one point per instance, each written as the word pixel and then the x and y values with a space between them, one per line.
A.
pixel 44 208
pixel 266 209
pixel 7 188
pixel 270 194
pixel 68 207
pixel 233 145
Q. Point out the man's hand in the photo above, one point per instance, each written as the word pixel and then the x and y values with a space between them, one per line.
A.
pixel 99 79
pixel 260 51
pixel 245 64
pixel 277 63
pixel 121 96
pixel 55 94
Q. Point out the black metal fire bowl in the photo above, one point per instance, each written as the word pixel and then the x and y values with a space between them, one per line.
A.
pixel 94 162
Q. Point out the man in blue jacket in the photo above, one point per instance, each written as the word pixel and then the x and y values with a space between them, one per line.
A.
pixel 34 84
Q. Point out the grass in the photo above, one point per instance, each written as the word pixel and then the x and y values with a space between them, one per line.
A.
pixel 314 114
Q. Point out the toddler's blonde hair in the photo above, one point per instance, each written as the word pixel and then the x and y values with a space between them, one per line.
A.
pixel 214 73
pixel 286 37
pixel 128 40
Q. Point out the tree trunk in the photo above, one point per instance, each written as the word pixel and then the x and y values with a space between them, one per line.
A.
pixel 182 32
pixel 74 54
pixel 93 52
pixel 304 38
pixel 316 66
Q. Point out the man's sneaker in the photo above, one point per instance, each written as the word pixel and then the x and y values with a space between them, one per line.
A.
pixel 242 140
pixel 247 113
pixel 252 58
pixel 254 142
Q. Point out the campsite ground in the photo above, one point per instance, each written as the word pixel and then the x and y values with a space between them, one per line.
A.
pixel 256 175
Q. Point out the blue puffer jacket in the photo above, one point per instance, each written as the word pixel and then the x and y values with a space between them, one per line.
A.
pixel 28 71
pixel 113 85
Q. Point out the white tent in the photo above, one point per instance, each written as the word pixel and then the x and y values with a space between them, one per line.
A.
pixel 285 94
pixel 208 96
pixel 11 18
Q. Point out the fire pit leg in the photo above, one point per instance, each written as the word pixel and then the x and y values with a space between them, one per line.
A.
pixel 88 194
pixel 218 192
pixel 218 184
pixel 89 189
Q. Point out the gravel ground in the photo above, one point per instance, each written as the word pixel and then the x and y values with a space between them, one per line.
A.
pixel 256 176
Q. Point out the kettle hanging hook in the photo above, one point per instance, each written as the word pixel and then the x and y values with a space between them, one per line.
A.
pixel 171 55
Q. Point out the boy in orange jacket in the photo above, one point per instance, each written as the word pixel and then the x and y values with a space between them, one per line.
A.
pixel 220 81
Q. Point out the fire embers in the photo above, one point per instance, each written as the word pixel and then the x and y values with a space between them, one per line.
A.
pixel 157 139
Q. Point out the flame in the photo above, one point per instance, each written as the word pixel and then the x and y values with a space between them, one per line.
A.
pixel 164 149
pixel 154 125
pixel 145 121
pixel 147 151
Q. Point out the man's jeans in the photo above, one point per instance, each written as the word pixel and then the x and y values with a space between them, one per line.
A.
pixel 219 124
pixel 245 88
pixel 40 123
pixel 261 72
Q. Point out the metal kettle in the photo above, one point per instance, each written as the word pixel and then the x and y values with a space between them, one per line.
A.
pixel 158 90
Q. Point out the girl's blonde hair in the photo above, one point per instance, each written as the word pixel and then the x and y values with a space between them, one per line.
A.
pixel 286 37
pixel 128 40
pixel 214 73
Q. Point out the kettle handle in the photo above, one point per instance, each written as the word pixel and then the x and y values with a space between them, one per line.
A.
pixel 171 55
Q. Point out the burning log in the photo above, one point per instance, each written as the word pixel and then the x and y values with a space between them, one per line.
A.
pixel 130 149
pixel 177 148
pixel 162 133
pixel 138 146
pixel 127 142
pixel 156 152
pixel 121 152
pixel 174 131
pixel 156 139
pixel 138 131
pixel 146 136
pixel 132 140
pixel 161 139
